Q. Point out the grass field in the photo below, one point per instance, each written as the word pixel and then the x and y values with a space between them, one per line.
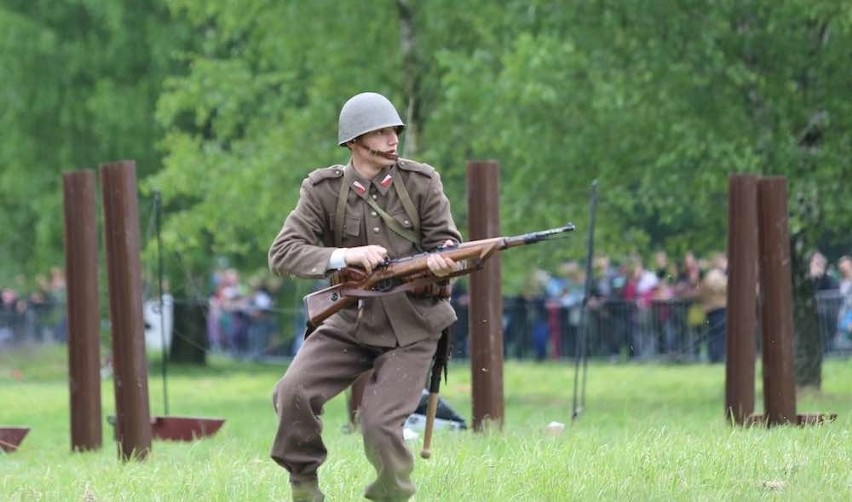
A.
pixel 648 432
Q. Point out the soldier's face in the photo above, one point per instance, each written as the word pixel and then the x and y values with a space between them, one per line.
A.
pixel 379 147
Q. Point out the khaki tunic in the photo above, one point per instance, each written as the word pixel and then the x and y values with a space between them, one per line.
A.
pixel 306 241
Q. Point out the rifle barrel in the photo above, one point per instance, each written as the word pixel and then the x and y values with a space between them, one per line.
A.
pixel 533 237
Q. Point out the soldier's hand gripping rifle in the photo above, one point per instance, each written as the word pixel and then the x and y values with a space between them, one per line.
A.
pixel 410 273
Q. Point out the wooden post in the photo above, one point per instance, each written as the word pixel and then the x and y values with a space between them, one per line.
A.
pixel 742 298
pixel 84 349
pixel 121 234
pixel 486 299
pixel 779 382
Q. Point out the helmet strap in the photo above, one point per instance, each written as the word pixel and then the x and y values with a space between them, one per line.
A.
pixel 386 155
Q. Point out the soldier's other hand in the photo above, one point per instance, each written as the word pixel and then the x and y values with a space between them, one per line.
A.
pixel 367 257
pixel 442 265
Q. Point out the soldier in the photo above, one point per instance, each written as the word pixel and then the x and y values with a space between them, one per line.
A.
pixel 378 206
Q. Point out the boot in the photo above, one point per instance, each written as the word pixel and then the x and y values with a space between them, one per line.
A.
pixel 306 491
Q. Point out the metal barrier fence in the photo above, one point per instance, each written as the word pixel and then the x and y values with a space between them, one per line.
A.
pixel 532 329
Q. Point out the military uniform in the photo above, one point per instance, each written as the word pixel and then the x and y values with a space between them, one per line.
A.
pixel 395 335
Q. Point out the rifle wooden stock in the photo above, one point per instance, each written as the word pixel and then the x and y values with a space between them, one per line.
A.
pixel 407 273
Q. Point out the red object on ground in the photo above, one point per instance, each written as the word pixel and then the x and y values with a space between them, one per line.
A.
pixel 11 437
pixel 184 428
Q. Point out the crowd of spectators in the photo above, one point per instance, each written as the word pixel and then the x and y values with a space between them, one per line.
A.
pixel 242 318
pixel 37 316
pixel 670 309
pixel 635 310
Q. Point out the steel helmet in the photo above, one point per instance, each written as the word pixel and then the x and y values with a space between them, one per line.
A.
pixel 366 112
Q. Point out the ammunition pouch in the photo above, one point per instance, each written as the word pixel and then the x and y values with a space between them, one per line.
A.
pixel 439 290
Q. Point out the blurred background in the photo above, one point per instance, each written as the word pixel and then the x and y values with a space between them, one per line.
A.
pixel 226 106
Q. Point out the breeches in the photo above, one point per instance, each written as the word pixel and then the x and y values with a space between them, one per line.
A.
pixel 328 362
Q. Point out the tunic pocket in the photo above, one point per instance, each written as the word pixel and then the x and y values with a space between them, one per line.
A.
pixel 352 226
pixel 352 235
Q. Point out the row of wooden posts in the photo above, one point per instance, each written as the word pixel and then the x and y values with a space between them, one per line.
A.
pixel 757 235
pixel 124 280
pixel 759 273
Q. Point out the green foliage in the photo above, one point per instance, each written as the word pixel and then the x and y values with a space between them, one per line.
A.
pixel 226 106
pixel 80 79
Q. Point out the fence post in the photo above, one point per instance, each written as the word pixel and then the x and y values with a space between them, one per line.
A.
pixel 81 265
pixel 486 299
pixel 121 234
pixel 741 301
pixel 779 382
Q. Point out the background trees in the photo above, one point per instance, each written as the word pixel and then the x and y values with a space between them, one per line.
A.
pixel 79 84
pixel 227 105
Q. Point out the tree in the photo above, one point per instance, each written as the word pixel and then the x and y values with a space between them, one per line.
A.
pixel 80 82
pixel 659 101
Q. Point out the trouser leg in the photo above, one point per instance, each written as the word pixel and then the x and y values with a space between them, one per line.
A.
pixel 353 400
pixel 390 396
pixel 327 363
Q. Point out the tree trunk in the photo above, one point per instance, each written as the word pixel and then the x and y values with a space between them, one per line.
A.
pixel 410 75
pixel 189 333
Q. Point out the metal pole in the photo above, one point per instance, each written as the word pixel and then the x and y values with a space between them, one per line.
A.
pixel 741 297
pixel 157 222
pixel 486 305
pixel 581 358
pixel 779 382
pixel 81 265
pixel 121 233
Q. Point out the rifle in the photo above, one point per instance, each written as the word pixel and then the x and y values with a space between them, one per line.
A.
pixel 410 273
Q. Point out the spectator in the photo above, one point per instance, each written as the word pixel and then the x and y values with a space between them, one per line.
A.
pixel 260 312
pixel 686 289
pixel 844 324
pixel 534 300
pixel 661 260
pixel 663 307
pixel 825 286
pixel 59 297
pixel 640 289
pixel 713 297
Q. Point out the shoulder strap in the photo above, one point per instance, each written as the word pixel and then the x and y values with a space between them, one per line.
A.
pixel 340 214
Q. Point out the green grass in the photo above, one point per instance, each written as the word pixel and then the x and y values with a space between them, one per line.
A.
pixel 648 432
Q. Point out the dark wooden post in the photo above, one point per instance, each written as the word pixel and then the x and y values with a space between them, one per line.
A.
pixel 121 234
pixel 486 299
pixel 779 381
pixel 84 343
pixel 741 302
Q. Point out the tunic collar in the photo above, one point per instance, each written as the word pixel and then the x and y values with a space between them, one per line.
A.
pixel 361 186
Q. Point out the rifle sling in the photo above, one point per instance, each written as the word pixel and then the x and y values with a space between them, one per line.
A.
pixel 407 204
pixel 393 225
